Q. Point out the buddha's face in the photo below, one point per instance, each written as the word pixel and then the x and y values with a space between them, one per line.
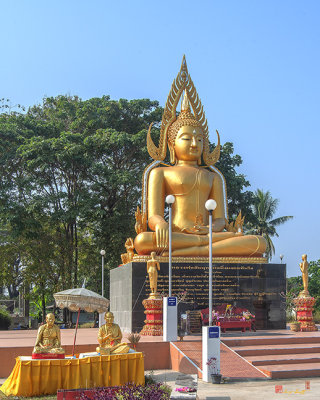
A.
pixel 109 318
pixel 50 320
pixel 188 145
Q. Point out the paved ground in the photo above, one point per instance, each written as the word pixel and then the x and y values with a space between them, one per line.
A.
pixel 255 390
pixel 21 338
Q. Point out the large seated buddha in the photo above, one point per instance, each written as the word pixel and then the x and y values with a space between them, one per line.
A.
pixel 192 179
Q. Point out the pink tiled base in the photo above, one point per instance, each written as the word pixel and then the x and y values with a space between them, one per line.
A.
pixel 285 356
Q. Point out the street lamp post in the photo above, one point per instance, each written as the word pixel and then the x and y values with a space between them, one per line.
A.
pixel 281 257
pixel 170 199
pixel 210 206
pixel 102 252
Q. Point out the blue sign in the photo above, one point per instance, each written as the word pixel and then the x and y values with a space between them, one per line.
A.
pixel 172 301
pixel 214 332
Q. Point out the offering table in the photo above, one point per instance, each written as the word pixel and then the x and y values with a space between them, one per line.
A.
pixel 40 377
pixel 228 324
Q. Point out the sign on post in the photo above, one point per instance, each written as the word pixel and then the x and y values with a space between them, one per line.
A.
pixel 170 319
pixel 172 301
pixel 214 332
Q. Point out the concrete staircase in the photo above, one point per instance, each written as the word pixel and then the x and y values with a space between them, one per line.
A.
pixel 280 357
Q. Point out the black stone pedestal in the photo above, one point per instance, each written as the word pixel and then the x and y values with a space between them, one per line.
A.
pixel 240 284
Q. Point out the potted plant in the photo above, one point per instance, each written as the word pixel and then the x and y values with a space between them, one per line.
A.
pixel 181 334
pixel 295 326
pixel 213 368
pixel 291 310
pixel 134 339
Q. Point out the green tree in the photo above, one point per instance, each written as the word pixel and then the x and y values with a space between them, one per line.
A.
pixel 239 199
pixel 264 207
pixel 71 173
pixel 314 282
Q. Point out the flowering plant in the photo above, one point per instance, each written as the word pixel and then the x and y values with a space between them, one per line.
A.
pixel 186 389
pixel 154 391
pixel 212 364
pixel 247 315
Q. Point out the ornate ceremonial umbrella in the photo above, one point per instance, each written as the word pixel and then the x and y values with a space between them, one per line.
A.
pixel 81 299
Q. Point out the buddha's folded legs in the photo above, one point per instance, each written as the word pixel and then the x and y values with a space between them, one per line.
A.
pixel 225 244
pixel 121 348
pixel 239 246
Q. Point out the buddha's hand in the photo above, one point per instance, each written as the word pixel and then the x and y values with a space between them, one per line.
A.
pixel 198 230
pixel 162 235
pixel 103 339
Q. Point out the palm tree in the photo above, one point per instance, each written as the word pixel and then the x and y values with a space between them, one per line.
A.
pixel 264 208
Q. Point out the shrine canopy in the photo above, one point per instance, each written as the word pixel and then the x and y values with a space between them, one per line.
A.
pixel 81 298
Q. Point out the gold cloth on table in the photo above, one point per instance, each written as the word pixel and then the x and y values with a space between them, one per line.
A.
pixel 40 377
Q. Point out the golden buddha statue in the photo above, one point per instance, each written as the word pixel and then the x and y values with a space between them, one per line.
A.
pixel 153 266
pixel 109 338
pixel 48 339
pixel 304 265
pixel 191 183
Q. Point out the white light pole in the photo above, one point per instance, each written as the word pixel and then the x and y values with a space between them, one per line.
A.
pixel 102 252
pixel 170 199
pixel 281 257
pixel 210 206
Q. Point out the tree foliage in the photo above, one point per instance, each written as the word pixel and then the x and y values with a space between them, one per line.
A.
pixel 314 281
pixel 264 207
pixel 70 182
pixel 239 199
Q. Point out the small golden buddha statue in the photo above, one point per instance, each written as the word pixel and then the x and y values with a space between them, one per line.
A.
pixel 109 338
pixel 153 267
pixel 304 265
pixel 48 339
pixel 192 184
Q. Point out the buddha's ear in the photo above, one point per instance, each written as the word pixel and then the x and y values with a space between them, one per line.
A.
pixel 172 154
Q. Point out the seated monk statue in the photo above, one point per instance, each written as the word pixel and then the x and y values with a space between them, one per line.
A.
pixel 48 339
pixel 192 184
pixel 109 338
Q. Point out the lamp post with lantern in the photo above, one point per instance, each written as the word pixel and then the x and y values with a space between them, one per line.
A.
pixel 210 206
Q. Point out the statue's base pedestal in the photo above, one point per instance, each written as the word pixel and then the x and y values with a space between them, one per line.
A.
pixel 304 307
pixel 153 321
pixel 239 283
pixel 47 356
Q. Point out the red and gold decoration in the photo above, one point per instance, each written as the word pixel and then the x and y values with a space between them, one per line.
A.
pixel 153 323
pixel 304 308
pixel 304 303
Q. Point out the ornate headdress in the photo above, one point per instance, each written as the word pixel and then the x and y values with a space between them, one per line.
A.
pixel 171 124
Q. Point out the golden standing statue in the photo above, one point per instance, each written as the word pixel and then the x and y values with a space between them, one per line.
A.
pixel 192 184
pixel 109 338
pixel 48 338
pixel 304 269
pixel 153 267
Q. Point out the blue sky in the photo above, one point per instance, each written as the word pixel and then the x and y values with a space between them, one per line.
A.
pixel 255 65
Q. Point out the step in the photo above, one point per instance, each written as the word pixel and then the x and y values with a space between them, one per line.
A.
pixel 291 370
pixel 276 349
pixel 256 341
pixel 284 359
